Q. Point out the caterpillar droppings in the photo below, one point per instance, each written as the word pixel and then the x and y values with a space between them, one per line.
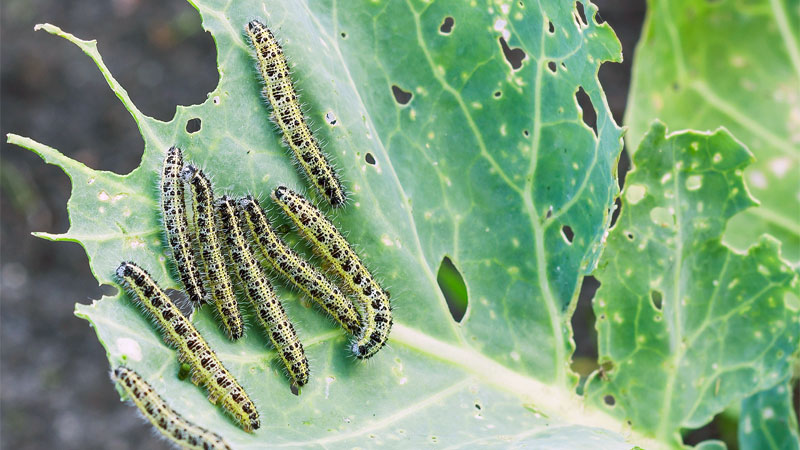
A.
pixel 376 320
pixel 262 295
pixel 288 114
pixel 165 419
pixel 178 332
pixel 219 281
pixel 173 213
pixel 295 268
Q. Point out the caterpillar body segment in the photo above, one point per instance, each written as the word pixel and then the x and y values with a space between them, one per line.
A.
pixel 177 331
pixel 376 320
pixel 271 314
pixel 173 213
pixel 219 281
pixel 165 419
pixel 288 114
pixel 295 268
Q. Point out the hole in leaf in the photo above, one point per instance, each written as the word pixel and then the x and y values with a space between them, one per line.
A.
pixel 330 117
pixel 402 97
pixel 563 66
pixel 193 125
pixel 566 231
pixel 609 400
pixel 581 14
pixel 514 56
pixel 656 297
pixel 369 158
pixel 597 19
pixel 447 25
pixel 623 167
pixel 498 94
pixel 584 360
pixel 344 35
pixel 183 371
pixel 478 406
pixel 716 429
pixel 453 288
pixel 588 114
pixel 109 290
pixel 629 235
pixel 616 212
pixel 526 133
pixel 552 66
pixel 550 27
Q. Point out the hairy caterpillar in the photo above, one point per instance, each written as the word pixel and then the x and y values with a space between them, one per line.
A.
pixel 376 322
pixel 173 213
pixel 296 269
pixel 219 280
pixel 178 332
pixel 288 114
pixel 262 295
pixel 165 419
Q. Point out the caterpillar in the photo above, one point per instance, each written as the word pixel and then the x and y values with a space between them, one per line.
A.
pixel 262 295
pixel 205 220
pixel 294 268
pixel 173 213
pixel 178 332
pixel 288 114
pixel 376 321
pixel 165 419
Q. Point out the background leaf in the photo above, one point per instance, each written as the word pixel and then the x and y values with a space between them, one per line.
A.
pixel 488 162
pixel 705 64
pixel 687 326
pixel 768 420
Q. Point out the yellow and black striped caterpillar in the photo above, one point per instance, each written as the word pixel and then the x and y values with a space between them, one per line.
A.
pixel 328 242
pixel 288 114
pixel 178 332
pixel 176 224
pixel 219 281
pixel 165 419
pixel 259 290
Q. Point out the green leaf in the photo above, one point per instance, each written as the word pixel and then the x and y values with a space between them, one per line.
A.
pixel 768 420
pixel 486 164
pixel 705 64
pixel 686 326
